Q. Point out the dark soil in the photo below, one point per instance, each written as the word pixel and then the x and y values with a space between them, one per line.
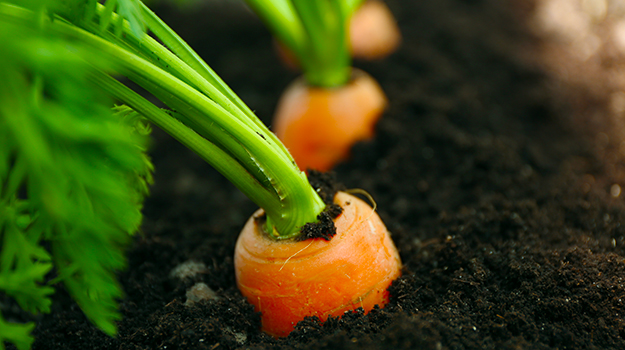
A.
pixel 499 183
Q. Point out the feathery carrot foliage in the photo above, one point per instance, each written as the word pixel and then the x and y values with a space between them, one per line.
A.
pixel 74 170
pixel 73 174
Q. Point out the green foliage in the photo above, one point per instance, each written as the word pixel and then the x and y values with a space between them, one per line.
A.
pixel 316 33
pixel 83 13
pixel 17 334
pixel 73 174
pixel 129 10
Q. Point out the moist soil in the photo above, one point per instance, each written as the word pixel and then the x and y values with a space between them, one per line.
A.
pixel 498 179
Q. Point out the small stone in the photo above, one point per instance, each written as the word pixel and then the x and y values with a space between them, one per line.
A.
pixel 239 337
pixel 188 269
pixel 200 291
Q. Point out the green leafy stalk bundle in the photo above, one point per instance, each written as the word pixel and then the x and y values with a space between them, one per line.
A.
pixel 316 33
pixel 74 172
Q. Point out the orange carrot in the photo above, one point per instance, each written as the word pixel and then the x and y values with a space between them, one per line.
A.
pixel 288 280
pixel 373 32
pixel 320 125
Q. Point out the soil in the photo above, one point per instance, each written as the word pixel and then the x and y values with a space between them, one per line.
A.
pixel 498 175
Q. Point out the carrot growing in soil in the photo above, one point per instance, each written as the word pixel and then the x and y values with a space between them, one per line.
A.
pixel 62 56
pixel 320 117
pixel 317 277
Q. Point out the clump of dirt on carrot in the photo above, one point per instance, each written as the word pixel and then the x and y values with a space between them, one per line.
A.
pixel 289 280
pixel 320 125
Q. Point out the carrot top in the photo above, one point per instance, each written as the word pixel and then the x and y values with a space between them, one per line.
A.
pixel 316 32
pixel 205 114
pixel 58 59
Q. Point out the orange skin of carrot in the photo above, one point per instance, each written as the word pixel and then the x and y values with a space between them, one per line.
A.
pixel 288 280
pixel 373 32
pixel 320 125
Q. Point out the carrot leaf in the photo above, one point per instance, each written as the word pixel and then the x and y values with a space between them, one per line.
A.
pixel 74 171
pixel 18 334
pixel 73 175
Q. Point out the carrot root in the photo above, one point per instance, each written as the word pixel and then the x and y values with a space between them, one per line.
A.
pixel 319 126
pixel 288 280
pixel 373 32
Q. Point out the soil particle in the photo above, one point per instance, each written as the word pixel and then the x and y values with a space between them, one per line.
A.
pixel 326 185
pixel 324 228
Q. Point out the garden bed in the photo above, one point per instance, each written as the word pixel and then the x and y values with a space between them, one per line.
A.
pixel 498 175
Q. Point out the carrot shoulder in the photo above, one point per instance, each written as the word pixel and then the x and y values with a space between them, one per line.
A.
pixel 320 125
pixel 288 280
pixel 373 32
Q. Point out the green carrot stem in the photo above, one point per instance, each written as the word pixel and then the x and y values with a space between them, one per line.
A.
pixel 215 156
pixel 316 32
pixel 282 20
pixel 350 6
pixel 187 65
pixel 325 24
pixel 286 196
pixel 179 47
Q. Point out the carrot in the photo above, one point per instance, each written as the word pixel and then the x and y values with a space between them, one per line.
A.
pixel 320 125
pixel 319 121
pixel 288 280
pixel 373 32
